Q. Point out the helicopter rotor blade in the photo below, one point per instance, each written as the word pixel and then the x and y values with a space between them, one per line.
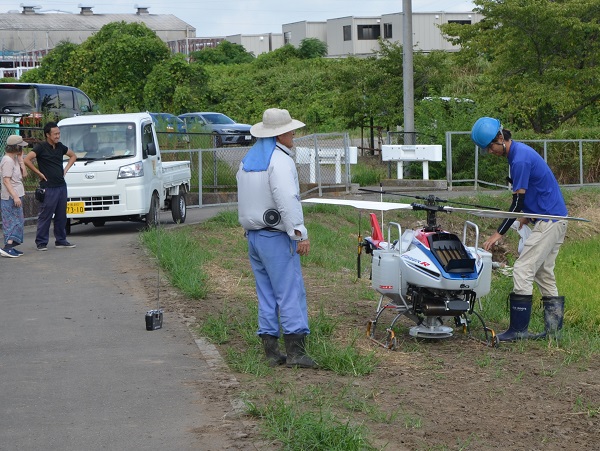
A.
pixel 386 206
pixel 435 199
pixel 510 214
pixel 361 204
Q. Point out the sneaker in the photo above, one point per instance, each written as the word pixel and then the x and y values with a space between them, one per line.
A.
pixel 17 251
pixel 64 245
pixel 42 247
pixel 10 252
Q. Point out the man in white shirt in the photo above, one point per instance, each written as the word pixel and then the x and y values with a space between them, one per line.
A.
pixel 270 211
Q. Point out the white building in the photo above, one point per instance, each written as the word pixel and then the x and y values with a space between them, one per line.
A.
pixel 353 36
pixel 357 36
pixel 258 43
pixel 293 33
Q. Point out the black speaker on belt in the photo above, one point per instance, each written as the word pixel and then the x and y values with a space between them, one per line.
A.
pixel 271 217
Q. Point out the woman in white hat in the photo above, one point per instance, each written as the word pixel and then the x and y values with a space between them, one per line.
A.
pixel 13 220
pixel 270 212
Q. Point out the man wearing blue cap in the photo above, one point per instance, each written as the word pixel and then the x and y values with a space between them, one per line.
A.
pixel 535 190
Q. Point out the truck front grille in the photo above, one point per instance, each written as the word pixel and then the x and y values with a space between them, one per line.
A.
pixel 96 203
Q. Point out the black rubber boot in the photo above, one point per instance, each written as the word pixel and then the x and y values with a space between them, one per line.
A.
pixel 554 312
pixel 520 314
pixel 296 353
pixel 271 346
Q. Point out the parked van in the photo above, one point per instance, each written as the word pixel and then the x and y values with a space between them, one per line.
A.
pixel 33 104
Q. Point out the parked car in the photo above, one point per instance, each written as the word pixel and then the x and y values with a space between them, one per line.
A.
pixel 225 130
pixel 167 122
pixel 33 104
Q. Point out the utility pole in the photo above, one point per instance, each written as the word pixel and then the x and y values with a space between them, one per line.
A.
pixel 407 74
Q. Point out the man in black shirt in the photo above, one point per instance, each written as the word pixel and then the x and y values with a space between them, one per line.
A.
pixel 49 156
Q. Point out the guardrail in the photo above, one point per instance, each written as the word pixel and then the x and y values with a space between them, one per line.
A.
pixel 574 162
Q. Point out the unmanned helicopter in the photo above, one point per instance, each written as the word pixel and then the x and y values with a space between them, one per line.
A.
pixel 429 275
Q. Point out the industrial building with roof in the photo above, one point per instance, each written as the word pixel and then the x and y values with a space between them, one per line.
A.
pixel 27 35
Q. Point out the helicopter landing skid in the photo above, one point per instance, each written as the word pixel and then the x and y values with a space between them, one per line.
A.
pixel 471 323
pixel 388 342
pixel 475 328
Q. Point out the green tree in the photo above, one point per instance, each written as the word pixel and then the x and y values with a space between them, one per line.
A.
pixel 312 48
pixel 359 98
pixel 223 53
pixel 372 89
pixel 277 57
pixel 321 92
pixel 176 86
pixel 539 59
pixel 56 67
pixel 112 65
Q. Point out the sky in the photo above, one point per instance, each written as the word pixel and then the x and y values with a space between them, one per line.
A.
pixel 229 17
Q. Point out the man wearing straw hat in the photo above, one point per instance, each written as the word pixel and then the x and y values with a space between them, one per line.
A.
pixel 270 212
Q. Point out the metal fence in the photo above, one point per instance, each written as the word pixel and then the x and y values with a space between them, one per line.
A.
pixel 574 162
pixel 5 131
pixel 32 135
pixel 323 162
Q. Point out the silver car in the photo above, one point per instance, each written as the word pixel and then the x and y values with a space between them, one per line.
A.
pixel 224 129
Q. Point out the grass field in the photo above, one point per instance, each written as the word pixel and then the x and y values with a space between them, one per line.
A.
pixel 345 409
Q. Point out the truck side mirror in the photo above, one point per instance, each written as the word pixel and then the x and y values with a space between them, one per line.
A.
pixel 151 149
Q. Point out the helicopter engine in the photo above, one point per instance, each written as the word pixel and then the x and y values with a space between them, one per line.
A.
pixel 429 308
pixel 428 303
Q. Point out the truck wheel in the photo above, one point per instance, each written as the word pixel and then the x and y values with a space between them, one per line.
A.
pixel 68 226
pixel 152 216
pixel 98 222
pixel 179 208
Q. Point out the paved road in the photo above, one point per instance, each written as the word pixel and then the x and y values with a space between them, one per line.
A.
pixel 79 371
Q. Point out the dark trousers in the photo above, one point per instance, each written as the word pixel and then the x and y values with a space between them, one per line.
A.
pixel 55 204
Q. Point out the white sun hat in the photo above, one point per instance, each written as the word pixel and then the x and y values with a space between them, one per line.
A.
pixel 275 122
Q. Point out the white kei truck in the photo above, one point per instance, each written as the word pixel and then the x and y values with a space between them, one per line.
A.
pixel 119 174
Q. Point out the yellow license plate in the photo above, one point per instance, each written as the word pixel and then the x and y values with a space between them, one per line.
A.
pixel 75 208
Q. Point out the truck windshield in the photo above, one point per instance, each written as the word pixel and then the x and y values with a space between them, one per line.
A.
pixel 100 141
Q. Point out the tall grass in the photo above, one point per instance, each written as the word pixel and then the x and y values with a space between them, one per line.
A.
pixel 297 429
pixel 577 269
pixel 368 175
pixel 182 252
pixel 181 258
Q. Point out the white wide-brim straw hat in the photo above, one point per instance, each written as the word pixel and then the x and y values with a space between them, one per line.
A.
pixel 275 122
